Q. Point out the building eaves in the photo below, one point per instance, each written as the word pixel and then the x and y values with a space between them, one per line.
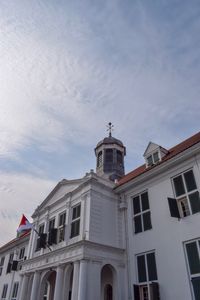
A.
pixel 193 140
pixel 16 240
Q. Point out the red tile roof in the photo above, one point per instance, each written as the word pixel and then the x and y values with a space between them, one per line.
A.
pixel 171 153
pixel 16 239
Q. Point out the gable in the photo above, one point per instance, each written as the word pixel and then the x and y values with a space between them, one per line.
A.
pixel 151 148
pixel 61 189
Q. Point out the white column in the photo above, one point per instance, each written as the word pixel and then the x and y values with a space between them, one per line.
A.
pixel 35 286
pixel 24 286
pixel 59 283
pixel 82 280
pixel 75 281
pixel 94 277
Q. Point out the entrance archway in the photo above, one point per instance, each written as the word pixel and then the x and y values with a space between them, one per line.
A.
pixel 108 283
pixel 48 286
pixel 108 292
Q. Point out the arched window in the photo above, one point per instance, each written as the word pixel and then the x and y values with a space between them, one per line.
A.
pixel 108 295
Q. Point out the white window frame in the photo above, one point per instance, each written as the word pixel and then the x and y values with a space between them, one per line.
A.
pixel 75 220
pixel 61 228
pixel 21 253
pixel 147 283
pixel 142 212
pixel 15 290
pixel 185 196
pixel 191 276
pixel 153 158
pixel 2 264
pixel 4 291
pixel 42 225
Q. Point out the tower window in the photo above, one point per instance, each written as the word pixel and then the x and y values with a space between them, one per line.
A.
pixel 109 155
pixel 119 157
pixel 99 159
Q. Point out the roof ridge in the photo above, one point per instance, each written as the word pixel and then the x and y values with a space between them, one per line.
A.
pixel 175 150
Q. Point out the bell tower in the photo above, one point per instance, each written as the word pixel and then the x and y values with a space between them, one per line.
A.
pixel 110 154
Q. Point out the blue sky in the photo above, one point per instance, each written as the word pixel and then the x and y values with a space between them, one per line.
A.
pixel 70 67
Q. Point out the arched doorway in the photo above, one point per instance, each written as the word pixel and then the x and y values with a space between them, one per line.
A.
pixel 108 292
pixel 108 283
pixel 48 286
pixel 68 281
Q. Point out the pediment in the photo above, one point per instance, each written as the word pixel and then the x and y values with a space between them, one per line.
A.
pixel 60 190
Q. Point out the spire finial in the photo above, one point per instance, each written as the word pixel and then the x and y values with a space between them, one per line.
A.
pixel 110 128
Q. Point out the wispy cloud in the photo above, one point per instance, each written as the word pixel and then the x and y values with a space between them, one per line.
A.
pixel 19 194
pixel 69 67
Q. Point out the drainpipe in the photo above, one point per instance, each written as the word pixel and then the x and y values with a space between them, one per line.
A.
pixel 123 206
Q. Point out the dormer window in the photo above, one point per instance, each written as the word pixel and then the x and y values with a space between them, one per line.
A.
pixel 153 154
pixel 153 159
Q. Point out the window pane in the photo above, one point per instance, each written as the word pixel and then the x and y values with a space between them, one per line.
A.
pixel 142 276
pixel 51 224
pixel 119 157
pixel 41 229
pixel 76 212
pixel 151 263
pixel 193 258
pixel 179 187
pixel 196 287
pixel 99 159
pixel 155 157
pixel 147 220
pixel 75 228
pixel 136 205
pixel 195 202
pixel 150 160
pixel 62 219
pixel 184 207
pixel 145 201
pixel 190 181
pixel 138 224
pixel 109 155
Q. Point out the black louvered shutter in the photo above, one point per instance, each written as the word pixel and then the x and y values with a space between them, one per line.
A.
pixel 9 267
pixel 154 290
pixel 14 265
pixel 173 207
pixel 42 239
pixel 52 239
pixel 136 292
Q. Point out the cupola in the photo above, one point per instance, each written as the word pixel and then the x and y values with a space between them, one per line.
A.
pixel 110 154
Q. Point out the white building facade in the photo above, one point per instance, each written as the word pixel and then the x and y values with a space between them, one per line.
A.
pixel 163 218
pixel 110 236
pixel 12 255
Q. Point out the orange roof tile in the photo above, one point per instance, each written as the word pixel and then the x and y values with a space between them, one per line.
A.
pixel 16 239
pixel 171 153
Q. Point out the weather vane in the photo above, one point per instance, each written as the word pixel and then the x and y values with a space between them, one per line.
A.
pixel 110 128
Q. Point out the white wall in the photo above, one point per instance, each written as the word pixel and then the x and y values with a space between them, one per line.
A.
pixel 167 234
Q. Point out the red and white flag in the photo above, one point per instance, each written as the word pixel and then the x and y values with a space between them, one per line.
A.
pixel 24 224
